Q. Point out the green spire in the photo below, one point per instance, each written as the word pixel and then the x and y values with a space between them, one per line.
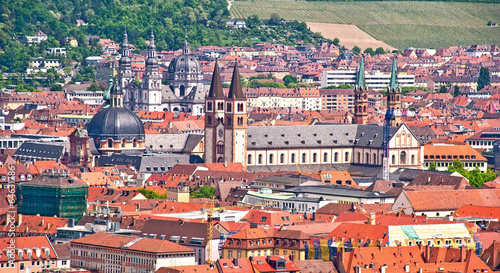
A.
pixel 106 97
pixel 393 84
pixel 360 77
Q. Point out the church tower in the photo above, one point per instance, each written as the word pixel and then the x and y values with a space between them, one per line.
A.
pixel 125 74
pixel 394 96
pixel 235 125
pixel 360 96
pixel 150 95
pixel 214 120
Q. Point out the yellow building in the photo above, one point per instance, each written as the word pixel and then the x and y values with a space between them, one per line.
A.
pixel 266 242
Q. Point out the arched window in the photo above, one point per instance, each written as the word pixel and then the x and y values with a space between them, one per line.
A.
pixel 402 158
pixel 271 157
pixel 249 161
pixel 346 157
pixel 240 107
pixel 393 159
pixel 398 140
pixel 303 157
pixel 209 106
pixel 403 139
pixel 209 119
pixel 412 159
pixel 359 157
pixel 374 159
pixel 240 121
pixel 123 143
pixel 292 159
pixel 336 157
pixel 110 143
pixel 408 142
pixel 282 158
pixel 367 158
pixel 364 109
pixel 229 107
pixel 135 143
pixel 220 106
pixel 220 148
pixel 260 159
pixel 315 155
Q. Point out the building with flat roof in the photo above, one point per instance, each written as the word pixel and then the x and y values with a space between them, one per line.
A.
pixel 106 252
pixel 376 80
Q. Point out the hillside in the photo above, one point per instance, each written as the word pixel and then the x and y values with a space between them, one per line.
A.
pixel 398 23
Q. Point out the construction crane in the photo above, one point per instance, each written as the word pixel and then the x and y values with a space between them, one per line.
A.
pixel 387 128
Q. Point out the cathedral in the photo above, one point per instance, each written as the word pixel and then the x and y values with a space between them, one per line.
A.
pixel 272 148
pixel 184 92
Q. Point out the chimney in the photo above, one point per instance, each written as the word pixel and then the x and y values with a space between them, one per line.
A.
pixel 427 254
pixel 463 253
pixel 372 218
pixel 43 222
pixel 407 268
pixel 19 219
pixel 383 269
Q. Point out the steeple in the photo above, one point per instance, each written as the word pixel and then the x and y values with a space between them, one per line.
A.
pixel 125 58
pixel 152 61
pixel 152 46
pixel 185 48
pixel 393 84
pixel 216 85
pixel 235 90
pixel 360 77
pixel 106 97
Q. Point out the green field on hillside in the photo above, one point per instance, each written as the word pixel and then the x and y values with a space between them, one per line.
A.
pixel 400 24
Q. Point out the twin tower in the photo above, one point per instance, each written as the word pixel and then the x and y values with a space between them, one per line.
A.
pixel 225 121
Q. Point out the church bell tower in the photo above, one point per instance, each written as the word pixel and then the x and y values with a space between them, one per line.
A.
pixel 360 96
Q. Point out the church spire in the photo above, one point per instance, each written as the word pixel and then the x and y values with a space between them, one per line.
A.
pixel 152 61
pixel 393 83
pixel 216 85
pixel 235 90
pixel 360 77
pixel 125 59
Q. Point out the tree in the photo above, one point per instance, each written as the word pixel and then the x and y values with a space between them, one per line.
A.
pixel 483 79
pixel 456 91
pixel 432 166
pixel 369 51
pixel 443 89
pixel 289 79
pixel 379 50
pixel 336 41
pixel 204 192
pixel 275 19
pixel 476 177
pixel 93 87
pixel 356 50
pixel 151 194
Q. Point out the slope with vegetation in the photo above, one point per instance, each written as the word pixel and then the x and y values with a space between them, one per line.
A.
pixel 400 24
